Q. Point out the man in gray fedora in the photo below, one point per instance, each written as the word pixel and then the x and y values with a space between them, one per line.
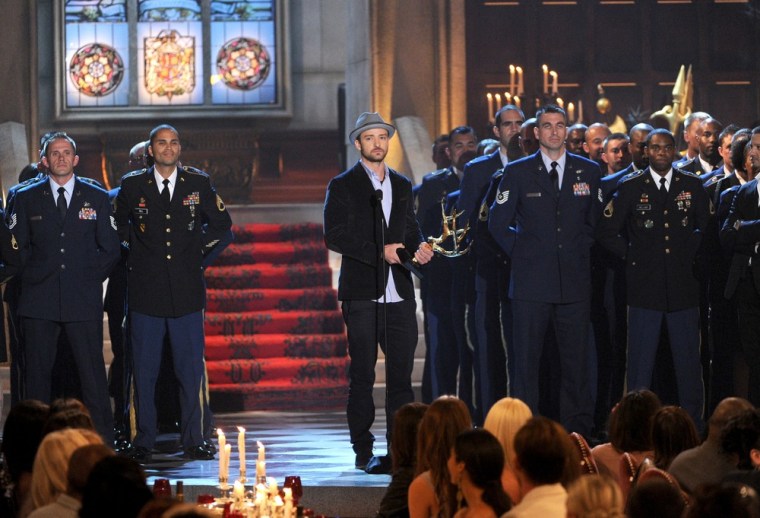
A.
pixel 369 220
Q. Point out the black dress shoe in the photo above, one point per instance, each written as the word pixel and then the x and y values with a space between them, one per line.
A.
pixel 210 446
pixel 138 454
pixel 199 452
pixel 362 459
pixel 379 465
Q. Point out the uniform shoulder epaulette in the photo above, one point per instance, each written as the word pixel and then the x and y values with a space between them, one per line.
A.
pixel 136 172
pixel 90 181
pixel 683 162
pixel 28 182
pixel 632 175
pixel 686 173
pixel 713 180
pixel 193 170
pixel 439 172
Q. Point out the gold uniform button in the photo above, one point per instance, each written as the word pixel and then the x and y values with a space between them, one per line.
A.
pixel 667 238
pixel 168 216
pixel 667 250
pixel 169 256
pixel 667 226
pixel 63 250
pixel 63 267
pixel 168 230
pixel 168 243
pixel 664 212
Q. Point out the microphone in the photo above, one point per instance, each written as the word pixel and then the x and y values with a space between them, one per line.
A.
pixel 379 195
pixel 406 261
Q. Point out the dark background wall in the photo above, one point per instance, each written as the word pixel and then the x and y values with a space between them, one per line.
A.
pixel 637 46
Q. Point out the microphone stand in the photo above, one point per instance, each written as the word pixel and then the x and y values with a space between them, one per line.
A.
pixel 379 204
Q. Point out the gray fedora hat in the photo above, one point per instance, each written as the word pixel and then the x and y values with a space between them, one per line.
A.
pixel 367 121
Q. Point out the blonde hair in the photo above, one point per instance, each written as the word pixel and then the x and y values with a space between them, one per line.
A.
pixel 504 419
pixel 595 496
pixel 51 465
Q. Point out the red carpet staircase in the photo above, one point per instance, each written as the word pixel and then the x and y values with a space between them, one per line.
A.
pixel 275 338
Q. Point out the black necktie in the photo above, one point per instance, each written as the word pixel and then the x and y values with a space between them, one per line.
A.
pixel 554 175
pixel 663 189
pixel 61 202
pixel 165 199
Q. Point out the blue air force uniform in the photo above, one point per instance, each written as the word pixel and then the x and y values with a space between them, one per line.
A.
pixel 548 235
pixel 64 262
pixel 658 237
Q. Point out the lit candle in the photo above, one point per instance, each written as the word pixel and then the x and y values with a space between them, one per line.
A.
pixel 571 112
pixel 512 85
pixel 580 111
pixel 507 98
pixel 227 452
pixel 546 78
pixel 498 102
pixel 238 491
pixel 560 102
pixel 221 441
pixel 262 454
pixel 241 451
pixel 490 106
pixel 517 101
pixel 520 88
pixel 554 82
pixel 288 502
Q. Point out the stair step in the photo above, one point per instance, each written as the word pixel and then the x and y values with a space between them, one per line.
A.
pixel 292 370
pixel 253 322
pixel 233 301
pixel 276 232
pixel 273 253
pixel 261 346
pixel 268 276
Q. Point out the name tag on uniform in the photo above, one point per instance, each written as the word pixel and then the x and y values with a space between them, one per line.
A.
pixel 35 218
pixel 533 195
pixel 141 210
pixel 581 189
pixel 88 213
pixel 643 206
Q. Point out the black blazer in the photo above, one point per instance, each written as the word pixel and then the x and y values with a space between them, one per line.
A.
pixel 64 261
pixel 353 227
pixel 166 246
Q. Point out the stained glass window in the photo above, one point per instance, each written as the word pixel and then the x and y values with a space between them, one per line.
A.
pixel 149 53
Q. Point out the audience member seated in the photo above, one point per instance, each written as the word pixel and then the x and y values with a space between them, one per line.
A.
pixel 595 496
pixel 115 488
pixel 406 422
pixel 51 465
pixel 673 431
pixel 629 428
pixel 70 418
pixel 655 498
pixel 708 463
pixel 80 464
pixel 22 435
pixel 741 439
pixel 504 419
pixel 431 493
pixel 542 453
pixel 475 466
pixel 719 501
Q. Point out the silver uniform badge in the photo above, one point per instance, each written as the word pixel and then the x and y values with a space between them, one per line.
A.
pixel 113 222
pixel 502 197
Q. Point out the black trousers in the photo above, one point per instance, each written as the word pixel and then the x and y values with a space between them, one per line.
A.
pixel 748 310
pixel 86 339
pixel 397 339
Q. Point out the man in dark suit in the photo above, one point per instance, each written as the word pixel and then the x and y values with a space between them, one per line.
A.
pixel 448 355
pixel 491 349
pixel 67 246
pixel 369 220
pixel 655 222
pixel 160 215
pixel 544 218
